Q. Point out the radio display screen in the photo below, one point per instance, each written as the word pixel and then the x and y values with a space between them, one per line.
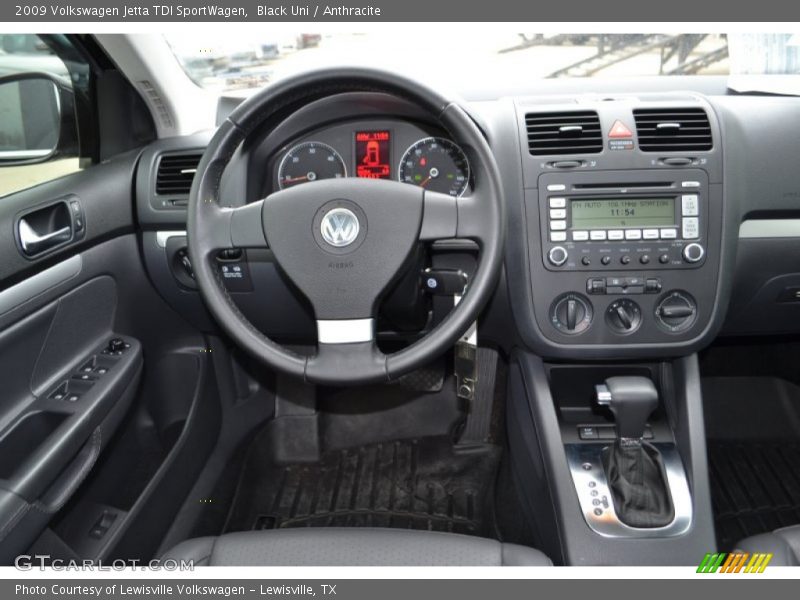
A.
pixel 606 213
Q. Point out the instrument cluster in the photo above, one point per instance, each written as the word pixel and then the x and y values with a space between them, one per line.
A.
pixel 386 149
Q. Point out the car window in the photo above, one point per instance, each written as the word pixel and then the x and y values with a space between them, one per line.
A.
pixel 38 140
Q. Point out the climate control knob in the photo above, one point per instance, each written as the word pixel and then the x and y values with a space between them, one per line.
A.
pixel 623 316
pixel 693 252
pixel 557 256
pixel 571 313
pixel 676 312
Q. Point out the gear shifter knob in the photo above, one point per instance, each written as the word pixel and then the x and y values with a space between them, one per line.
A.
pixel 632 400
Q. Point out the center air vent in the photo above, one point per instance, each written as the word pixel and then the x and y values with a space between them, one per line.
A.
pixel 175 173
pixel 575 132
pixel 672 129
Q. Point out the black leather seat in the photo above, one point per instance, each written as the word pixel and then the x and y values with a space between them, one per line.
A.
pixel 783 543
pixel 353 547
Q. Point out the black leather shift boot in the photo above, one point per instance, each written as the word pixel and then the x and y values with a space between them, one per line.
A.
pixel 636 477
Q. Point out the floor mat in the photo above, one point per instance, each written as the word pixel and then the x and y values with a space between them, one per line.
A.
pixel 755 487
pixel 412 484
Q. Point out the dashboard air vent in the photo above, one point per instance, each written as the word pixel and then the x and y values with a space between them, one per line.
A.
pixel 672 129
pixel 576 132
pixel 175 173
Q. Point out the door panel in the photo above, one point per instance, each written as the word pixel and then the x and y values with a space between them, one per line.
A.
pixel 64 393
pixel 104 192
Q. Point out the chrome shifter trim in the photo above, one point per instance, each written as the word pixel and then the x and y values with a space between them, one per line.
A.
pixel 603 394
pixel 586 466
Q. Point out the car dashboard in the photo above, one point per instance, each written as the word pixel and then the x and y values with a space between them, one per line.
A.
pixel 624 211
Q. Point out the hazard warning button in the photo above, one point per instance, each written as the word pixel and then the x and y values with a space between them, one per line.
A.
pixel 620 130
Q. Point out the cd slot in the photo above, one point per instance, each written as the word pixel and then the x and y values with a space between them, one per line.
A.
pixel 618 186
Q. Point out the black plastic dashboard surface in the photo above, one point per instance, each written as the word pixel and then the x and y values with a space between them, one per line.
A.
pixel 750 172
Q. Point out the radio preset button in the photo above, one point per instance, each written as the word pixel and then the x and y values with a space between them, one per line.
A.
pixel 616 234
pixel 691 228
pixel 669 234
pixel 689 205
pixel 558 187
pixel 650 234
pixel 558 202
pixel 580 236
pixel 633 234
pixel 597 236
pixel 558 236
pixel 558 225
pixel 558 213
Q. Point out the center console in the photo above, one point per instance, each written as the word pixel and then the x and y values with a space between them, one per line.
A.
pixel 622 278
pixel 624 235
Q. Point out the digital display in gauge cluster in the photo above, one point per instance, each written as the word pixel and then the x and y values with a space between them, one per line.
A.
pixel 374 154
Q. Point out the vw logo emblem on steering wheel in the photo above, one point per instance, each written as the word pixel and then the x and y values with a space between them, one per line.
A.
pixel 340 227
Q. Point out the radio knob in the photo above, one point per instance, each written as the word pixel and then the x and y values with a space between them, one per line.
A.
pixel 693 253
pixel 557 255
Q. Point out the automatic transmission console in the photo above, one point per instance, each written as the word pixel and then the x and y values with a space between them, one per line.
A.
pixel 629 486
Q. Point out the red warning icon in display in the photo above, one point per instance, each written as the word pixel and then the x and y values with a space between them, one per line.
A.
pixel 620 130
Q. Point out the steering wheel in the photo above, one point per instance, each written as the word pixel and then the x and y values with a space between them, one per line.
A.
pixel 343 241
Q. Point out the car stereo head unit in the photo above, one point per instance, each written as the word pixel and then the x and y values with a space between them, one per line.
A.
pixel 652 222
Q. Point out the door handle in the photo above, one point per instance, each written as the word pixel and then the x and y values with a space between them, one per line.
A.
pixel 34 243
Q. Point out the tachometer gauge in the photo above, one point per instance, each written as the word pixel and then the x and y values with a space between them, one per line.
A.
pixel 309 161
pixel 436 164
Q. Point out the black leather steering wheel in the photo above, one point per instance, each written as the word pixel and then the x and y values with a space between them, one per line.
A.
pixel 343 241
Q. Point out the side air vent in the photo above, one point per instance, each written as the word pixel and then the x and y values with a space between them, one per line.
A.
pixel 672 129
pixel 576 132
pixel 175 173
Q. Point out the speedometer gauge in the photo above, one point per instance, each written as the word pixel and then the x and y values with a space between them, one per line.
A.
pixel 435 164
pixel 309 161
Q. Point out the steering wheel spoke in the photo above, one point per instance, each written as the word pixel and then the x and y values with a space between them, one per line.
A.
pixel 347 348
pixel 439 217
pixel 345 331
pixel 445 217
pixel 474 213
pixel 240 227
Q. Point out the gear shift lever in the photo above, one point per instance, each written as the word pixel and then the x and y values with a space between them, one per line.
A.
pixel 632 400
pixel 634 468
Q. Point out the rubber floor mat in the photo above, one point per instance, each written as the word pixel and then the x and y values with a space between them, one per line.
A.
pixel 412 484
pixel 755 487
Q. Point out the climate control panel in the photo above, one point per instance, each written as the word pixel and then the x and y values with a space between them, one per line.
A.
pixel 573 313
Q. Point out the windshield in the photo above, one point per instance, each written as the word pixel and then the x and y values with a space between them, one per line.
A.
pixel 231 61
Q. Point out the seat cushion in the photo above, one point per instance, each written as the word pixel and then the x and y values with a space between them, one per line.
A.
pixel 352 547
pixel 784 544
